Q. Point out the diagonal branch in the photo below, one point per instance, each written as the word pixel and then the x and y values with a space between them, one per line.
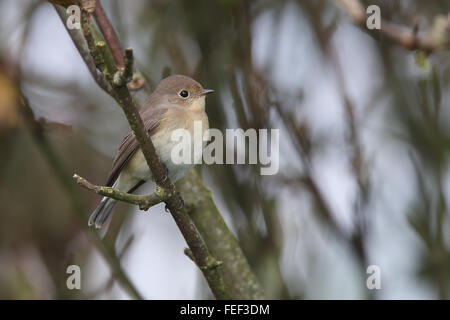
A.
pixel 82 48
pixel 109 34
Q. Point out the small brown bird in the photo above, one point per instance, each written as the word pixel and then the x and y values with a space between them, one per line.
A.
pixel 177 102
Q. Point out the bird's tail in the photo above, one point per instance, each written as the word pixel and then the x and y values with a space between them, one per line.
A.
pixel 102 212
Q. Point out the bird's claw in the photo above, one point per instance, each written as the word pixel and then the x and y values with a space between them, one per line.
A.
pixel 166 208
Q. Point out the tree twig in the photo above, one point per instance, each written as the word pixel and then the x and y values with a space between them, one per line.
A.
pixel 82 48
pixel 78 207
pixel 109 34
pixel 236 271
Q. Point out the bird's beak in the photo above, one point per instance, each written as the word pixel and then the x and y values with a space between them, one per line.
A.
pixel 206 91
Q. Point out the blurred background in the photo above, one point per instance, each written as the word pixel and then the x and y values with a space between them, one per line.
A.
pixel 364 150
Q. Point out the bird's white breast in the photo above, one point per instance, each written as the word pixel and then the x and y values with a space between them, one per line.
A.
pixel 163 142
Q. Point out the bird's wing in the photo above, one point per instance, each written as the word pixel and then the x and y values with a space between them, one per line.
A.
pixel 151 118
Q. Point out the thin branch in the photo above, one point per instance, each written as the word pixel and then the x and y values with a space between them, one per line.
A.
pixel 110 282
pixel 61 172
pixel 124 76
pixel 82 48
pixel 129 61
pixel 189 254
pixel 360 234
pixel 144 202
pixel 109 34
pixel 436 39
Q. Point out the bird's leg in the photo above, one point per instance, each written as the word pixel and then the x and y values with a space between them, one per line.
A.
pixel 181 202
pixel 166 172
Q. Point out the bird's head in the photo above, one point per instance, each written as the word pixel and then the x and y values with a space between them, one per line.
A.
pixel 182 91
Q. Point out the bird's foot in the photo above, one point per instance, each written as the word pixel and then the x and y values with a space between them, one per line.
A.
pixel 166 208
pixel 166 172
pixel 181 201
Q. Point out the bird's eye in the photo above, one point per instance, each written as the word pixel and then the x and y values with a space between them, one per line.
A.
pixel 184 94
